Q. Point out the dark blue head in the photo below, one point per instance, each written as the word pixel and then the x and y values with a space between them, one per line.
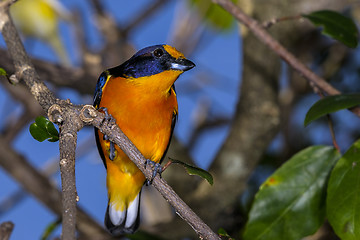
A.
pixel 152 60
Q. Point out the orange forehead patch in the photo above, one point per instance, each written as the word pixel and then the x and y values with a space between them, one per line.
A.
pixel 173 52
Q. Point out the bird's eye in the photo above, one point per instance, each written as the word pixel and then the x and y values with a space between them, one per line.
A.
pixel 158 52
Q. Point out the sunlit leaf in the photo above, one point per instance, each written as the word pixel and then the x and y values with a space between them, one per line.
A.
pixel 331 104
pixel 343 201
pixel 3 72
pixel 291 202
pixel 42 129
pixel 335 25
pixel 213 14
pixel 192 170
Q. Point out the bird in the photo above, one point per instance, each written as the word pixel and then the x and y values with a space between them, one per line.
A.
pixel 39 19
pixel 140 96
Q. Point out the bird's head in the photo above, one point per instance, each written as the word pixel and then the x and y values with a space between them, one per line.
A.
pixel 153 60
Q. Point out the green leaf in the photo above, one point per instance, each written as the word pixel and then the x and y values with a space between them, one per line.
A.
pixel 222 233
pixel 213 14
pixel 3 72
pixel 335 25
pixel 50 128
pixel 291 202
pixel 331 104
pixel 43 129
pixel 343 200
pixel 38 133
pixel 50 229
pixel 192 170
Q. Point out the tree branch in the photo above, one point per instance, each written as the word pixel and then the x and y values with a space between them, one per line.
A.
pixel 144 15
pixel 39 186
pixel 6 229
pixel 67 147
pixel 269 41
pixel 23 66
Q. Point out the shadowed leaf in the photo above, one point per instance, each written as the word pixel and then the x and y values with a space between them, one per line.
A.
pixel 192 170
pixel 343 201
pixel 331 104
pixel 335 25
pixel 223 233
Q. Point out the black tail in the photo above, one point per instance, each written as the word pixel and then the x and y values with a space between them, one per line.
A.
pixel 123 222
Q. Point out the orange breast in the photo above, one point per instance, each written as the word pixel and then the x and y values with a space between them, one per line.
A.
pixel 144 113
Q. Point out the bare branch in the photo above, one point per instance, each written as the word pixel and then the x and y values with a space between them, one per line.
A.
pixel 60 76
pixel 49 169
pixel 32 109
pixel 39 186
pixel 144 15
pixel 6 229
pixel 67 146
pixel 23 66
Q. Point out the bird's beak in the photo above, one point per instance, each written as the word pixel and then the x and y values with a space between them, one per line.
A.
pixel 182 64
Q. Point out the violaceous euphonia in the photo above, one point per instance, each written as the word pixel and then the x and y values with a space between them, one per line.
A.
pixel 140 95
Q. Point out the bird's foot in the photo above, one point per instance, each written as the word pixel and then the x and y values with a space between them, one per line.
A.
pixel 110 119
pixel 157 169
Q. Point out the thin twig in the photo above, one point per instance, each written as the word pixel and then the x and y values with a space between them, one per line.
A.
pixel 6 229
pixel 288 57
pixel 142 16
pixel 332 132
pixel 329 119
pixel 273 21
pixel 49 169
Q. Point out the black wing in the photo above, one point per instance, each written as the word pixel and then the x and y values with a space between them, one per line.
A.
pixel 104 77
pixel 173 122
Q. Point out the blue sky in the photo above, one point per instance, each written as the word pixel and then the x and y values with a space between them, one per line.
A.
pixel 219 53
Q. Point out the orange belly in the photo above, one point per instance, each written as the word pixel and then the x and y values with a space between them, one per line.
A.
pixel 146 119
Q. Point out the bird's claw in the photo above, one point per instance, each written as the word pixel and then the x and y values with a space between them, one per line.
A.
pixel 111 120
pixel 157 169
pixel 112 151
pixel 108 117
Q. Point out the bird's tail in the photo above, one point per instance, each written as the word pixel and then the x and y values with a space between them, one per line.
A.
pixel 124 221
